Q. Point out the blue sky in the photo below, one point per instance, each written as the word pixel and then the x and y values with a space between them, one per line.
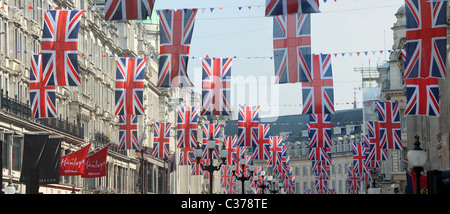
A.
pixel 343 26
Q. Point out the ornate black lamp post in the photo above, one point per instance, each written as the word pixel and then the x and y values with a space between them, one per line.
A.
pixel 263 185
pixel 211 144
pixel 272 187
pixel 417 158
pixel 241 177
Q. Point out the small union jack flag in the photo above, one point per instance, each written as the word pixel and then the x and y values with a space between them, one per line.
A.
pixel 261 149
pixel 359 157
pixel 187 156
pixel 321 186
pixel 42 97
pixel 371 154
pixel 319 130
pixel 175 38
pixel 292 48
pixel 275 149
pixel 227 180
pixel 128 9
pixel 320 154
pixel 374 139
pixel 422 97
pixel 233 149
pixel 321 169
pixel 187 126
pixel 353 181
pixel 426 39
pixel 59 47
pixel 280 7
pixel 216 82
pixel 390 128
pixel 318 96
pixel 212 130
pixel 129 92
pixel 161 140
pixel 128 132
pixel 248 120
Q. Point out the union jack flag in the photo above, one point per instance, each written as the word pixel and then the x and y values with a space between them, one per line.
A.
pixel 227 180
pixel 128 132
pixel 187 126
pixel 319 130
pixel 244 170
pixel 42 97
pixel 128 10
pixel 216 81
pixel 321 186
pixel 390 128
pixel 275 149
pixel 292 48
pixel 371 153
pixel 422 97
pixel 378 153
pixel 129 92
pixel 59 47
pixel 320 154
pixel 248 121
pixel 175 39
pixel 307 191
pixel 161 140
pixel 187 156
pixel 196 167
pixel 234 151
pixel 261 149
pixel 321 169
pixel 282 162
pixel 359 157
pixel 318 96
pixel 426 39
pixel 280 7
pixel 353 181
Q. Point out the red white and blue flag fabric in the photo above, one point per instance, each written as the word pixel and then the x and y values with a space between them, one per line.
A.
pixel 129 92
pixel 359 157
pixel 426 39
pixel 379 153
pixel 248 121
pixel 320 154
pixel 211 130
pixel 176 28
pixel 227 180
pixel 390 128
pixel 318 96
pixel 319 130
pixel 422 97
pixel 42 97
pixel 321 186
pixel 128 132
pixel 276 150
pixel 231 146
pixel 353 181
pixel 196 167
pixel 292 48
pixel 216 83
pixel 161 140
pixel 59 47
pixel 261 148
pixel 187 156
pixel 187 126
pixel 280 7
pixel 128 9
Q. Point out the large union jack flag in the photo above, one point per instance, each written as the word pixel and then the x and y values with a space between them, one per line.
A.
pixel 248 120
pixel 187 126
pixel 161 140
pixel 319 130
pixel 359 157
pixel 233 150
pixel 280 7
pixel 59 47
pixel 42 97
pixel 426 38
pixel 422 97
pixel 128 10
pixel 318 96
pixel 378 153
pixel 129 92
pixel 261 148
pixel 216 82
pixel 292 48
pixel 175 39
pixel 390 128
pixel 128 132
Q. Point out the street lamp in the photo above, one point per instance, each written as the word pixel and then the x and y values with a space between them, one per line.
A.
pixel 10 189
pixel 417 158
pixel 211 145
pixel 272 187
pixel 263 185
pixel 243 178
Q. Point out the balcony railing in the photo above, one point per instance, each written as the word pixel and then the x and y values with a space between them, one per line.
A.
pixel 63 126
pixel 14 106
